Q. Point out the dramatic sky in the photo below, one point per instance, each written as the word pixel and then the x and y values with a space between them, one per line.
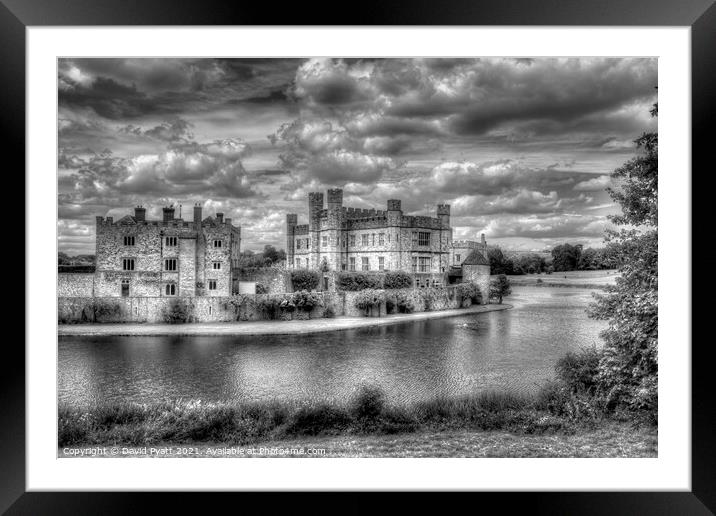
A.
pixel 521 148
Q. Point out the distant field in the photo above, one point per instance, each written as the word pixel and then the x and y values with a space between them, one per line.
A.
pixel 593 279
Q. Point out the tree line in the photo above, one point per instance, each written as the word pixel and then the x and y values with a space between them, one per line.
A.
pixel 564 257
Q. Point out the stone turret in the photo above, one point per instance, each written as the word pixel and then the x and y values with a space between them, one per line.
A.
pixel 291 223
pixel 444 214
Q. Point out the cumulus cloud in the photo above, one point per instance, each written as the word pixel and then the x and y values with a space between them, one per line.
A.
pixel 521 148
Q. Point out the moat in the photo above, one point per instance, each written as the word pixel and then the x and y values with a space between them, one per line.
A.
pixel 505 350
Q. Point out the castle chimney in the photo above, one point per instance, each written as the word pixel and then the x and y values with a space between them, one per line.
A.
pixel 482 239
pixel 140 214
pixel 394 205
pixel 197 213
pixel 168 213
pixel 220 217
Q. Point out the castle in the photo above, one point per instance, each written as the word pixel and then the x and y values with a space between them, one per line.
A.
pixel 347 239
pixel 172 257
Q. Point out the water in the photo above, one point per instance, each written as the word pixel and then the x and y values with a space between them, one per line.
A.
pixel 512 349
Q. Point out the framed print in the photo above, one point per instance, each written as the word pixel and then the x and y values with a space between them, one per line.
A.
pixel 419 251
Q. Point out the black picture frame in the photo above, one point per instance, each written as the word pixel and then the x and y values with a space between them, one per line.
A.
pixel 700 15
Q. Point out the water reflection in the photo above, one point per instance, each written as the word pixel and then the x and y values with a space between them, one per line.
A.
pixel 514 349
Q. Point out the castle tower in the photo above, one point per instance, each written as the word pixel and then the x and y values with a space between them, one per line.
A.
pixel 335 222
pixel 315 206
pixel 291 222
pixel 445 236
pixel 394 216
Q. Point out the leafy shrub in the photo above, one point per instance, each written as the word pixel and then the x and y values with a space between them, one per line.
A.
pixel 397 279
pixel 317 419
pixel 329 312
pixel 369 298
pixel 356 281
pixel 304 279
pixel 177 311
pixel 105 309
pixel 470 291
pixel 261 288
pixel 367 403
pixel 578 370
pixel 268 306
pixel 404 303
pixel 305 300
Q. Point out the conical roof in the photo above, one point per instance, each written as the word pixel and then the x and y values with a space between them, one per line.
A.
pixel 476 258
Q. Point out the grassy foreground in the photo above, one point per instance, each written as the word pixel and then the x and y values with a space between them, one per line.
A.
pixel 490 424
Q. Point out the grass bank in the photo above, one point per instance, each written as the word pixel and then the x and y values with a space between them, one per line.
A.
pixel 366 421
pixel 580 279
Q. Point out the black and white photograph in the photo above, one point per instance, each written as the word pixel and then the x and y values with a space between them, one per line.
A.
pixel 353 257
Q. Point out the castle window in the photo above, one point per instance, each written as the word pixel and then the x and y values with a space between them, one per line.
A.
pixel 381 263
pixel 212 284
pixel 298 244
pixel 457 258
pixel 125 288
pixel 423 238
pixel 298 262
pixel 415 264
pixel 343 266
pixel 324 241
pixel 170 289
pixel 127 264
pixel 388 237
pixel 352 262
pixel 373 239
pixel 170 264
pixel 424 262
pixel 170 241
pixel 217 266
pixel 364 264
pixel 308 243
pixel 129 240
pixel 381 239
pixel 217 243
pixel 352 240
pixel 364 239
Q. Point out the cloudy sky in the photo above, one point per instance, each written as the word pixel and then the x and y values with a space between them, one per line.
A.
pixel 520 148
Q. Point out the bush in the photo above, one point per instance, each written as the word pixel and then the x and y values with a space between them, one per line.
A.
pixel 304 279
pixel 268 306
pixel 368 403
pixel 105 309
pixel 397 279
pixel 329 312
pixel 261 288
pixel 369 298
pixel 470 291
pixel 578 370
pixel 305 300
pixel 318 419
pixel 404 303
pixel 356 281
pixel 177 311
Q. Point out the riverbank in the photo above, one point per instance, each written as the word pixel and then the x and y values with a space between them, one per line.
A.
pixel 480 425
pixel 579 279
pixel 611 441
pixel 265 327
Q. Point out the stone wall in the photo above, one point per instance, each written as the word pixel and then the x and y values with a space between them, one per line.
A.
pixel 75 285
pixel 423 299
pixel 276 280
pixel 480 275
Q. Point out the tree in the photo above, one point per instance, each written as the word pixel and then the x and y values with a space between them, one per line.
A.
pixel 499 263
pixel 628 369
pixel 531 263
pixel 273 255
pixel 500 287
pixel 565 257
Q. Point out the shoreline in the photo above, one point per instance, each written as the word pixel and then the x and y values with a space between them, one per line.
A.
pixel 264 327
